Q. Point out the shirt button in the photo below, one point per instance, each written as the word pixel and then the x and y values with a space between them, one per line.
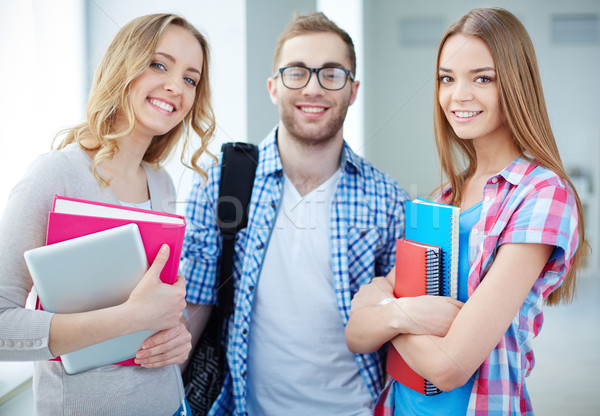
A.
pixel 260 246
pixel 273 205
pixel 19 344
pixel 9 344
pixel 245 331
pixel 475 231
pixel 38 343
pixel 487 198
pixel 29 344
pixel 1 343
pixel 494 180
pixel 244 374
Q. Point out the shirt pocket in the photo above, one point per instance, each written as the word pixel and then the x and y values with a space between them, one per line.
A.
pixel 363 245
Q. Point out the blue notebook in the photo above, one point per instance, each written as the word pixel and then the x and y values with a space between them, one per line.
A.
pixel 436 224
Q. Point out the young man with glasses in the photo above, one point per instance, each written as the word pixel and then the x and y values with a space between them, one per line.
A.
pixel 322 222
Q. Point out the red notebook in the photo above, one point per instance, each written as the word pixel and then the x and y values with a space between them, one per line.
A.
pixel 418 272
pixel 71 218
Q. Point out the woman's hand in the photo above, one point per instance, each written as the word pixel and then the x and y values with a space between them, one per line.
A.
pixel 171 346
pixel 428 315
pixel 431 315
pixel 154 305
pixel 370 326
pixel 449 361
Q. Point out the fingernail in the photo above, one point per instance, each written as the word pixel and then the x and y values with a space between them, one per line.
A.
pixel 164 248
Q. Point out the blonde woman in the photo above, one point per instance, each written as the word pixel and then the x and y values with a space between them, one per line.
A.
pixel 151 88
pixel 521 228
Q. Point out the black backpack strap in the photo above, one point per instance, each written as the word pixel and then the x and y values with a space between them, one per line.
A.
pixel 206 370
pixel 238 169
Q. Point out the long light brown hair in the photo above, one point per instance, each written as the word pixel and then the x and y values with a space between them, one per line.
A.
pixel 128 55
pixel 524 112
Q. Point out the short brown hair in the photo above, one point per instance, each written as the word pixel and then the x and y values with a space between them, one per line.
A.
pixel 311 23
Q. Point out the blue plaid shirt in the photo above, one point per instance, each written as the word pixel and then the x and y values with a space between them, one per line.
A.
pixel 366 219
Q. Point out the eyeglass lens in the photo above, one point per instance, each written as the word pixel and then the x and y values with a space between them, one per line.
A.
pixel 296 77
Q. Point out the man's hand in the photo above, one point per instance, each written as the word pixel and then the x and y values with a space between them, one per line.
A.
pixel 372 293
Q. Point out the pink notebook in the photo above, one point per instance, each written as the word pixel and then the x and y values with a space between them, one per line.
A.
pixel 71 218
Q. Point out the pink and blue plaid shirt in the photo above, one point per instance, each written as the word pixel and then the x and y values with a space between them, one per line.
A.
pixel 524 203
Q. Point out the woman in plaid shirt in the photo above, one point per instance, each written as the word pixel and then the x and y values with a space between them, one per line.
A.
pixel 522 234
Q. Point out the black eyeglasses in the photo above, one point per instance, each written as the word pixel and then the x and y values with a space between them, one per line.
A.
pixel 297 77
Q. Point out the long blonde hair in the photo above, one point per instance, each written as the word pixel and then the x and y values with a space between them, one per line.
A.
pixel 523 108
pixel 128 55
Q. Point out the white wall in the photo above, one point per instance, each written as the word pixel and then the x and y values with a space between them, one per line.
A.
pixel 43 80
pixel 348 14
pixel 399 102
pixel 399 97
pixel 57 45
pixel 48 82
pixel 46 78
pixel 223 23
pixel 265 20
pixel 48 70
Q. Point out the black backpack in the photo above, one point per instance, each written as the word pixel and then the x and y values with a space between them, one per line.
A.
pixel 204 375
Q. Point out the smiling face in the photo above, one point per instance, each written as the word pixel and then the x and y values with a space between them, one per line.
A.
pixel 313 115
pixel 163 94
pixel 468 89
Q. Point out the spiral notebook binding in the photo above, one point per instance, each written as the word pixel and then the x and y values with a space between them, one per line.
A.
pixel 430 389
pixel 453 282
pixel 446 282
pixel 434 281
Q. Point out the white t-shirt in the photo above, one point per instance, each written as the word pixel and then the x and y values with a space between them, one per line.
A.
pixel 298 362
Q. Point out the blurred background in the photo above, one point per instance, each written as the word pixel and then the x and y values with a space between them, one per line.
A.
pixel 49 50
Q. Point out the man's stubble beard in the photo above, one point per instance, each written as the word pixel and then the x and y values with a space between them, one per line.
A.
pixel 310 135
